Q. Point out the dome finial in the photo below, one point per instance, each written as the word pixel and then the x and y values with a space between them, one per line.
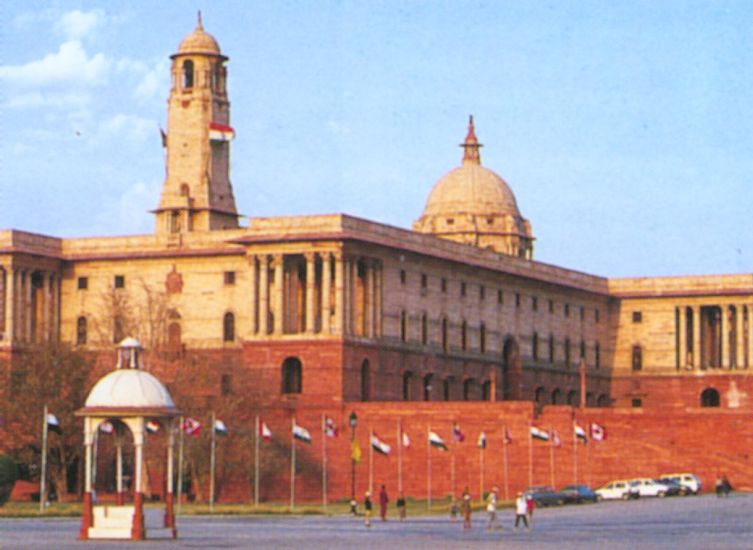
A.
pixel 199 25
pixel 471 145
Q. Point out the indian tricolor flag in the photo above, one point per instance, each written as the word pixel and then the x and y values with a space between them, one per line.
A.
pixel 265 432
pixel 580 433
pixel 378 445
pixel 220 132
pixel 538 433
pixel 301 433
pixel 436 441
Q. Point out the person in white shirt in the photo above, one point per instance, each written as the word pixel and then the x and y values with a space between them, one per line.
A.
pixel 521 511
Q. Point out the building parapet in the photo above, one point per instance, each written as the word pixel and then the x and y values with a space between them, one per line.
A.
pixel 678 286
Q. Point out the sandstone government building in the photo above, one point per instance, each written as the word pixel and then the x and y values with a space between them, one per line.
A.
pixel 451 321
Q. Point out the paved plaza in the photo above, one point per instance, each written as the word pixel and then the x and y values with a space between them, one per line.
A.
pixel 677 523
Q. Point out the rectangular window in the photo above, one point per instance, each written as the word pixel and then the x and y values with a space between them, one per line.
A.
pixel 402 276
pixel 517 299
pixel 567 310
pixel 637 317
pixel 424 281
pixel 597 314
pixel 229 278
pixel 551 306
pixel 500 297
pixel 534 303
pixel 582 313
pixel 637 403
pixel 462 289
pixel 444 284
pixel 481 292
pixel 119 281
pixel 83 283
pixel 226 384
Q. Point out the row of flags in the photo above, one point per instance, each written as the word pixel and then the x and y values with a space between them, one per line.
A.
pixel 192 427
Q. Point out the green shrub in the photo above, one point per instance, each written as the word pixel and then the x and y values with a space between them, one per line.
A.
pixel 8 476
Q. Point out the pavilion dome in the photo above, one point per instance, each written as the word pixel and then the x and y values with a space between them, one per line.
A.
pixel 129 388
pixel 199 41
pixel 473 205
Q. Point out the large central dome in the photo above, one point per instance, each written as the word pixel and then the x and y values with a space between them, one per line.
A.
pixel 473 205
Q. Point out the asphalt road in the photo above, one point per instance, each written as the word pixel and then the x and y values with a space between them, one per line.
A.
pixel 702 523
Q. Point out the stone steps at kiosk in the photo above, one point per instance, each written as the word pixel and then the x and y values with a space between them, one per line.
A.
pixel 114 522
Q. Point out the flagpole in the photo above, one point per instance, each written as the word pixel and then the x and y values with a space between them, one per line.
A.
pixel 43 479
pixel 551 455
pixel 575 456
pixel 371 460
pixel 588 464
pixel 505 444
pixel 324 463
pixel 180 465
pixel 481 473
pixel 428 467
pixel 257 432
pixel 212 465
pixel 530 459
pixel 292 467
pixel 452 464
pixel 399 456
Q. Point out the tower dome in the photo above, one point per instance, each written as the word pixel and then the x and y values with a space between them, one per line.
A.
pixel 199 42
pixel 473 205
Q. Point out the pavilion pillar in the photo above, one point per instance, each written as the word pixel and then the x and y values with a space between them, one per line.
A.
pixel 137 526
pixel 326 289
pixel 87 516
pixel 119 494
pixel 169 513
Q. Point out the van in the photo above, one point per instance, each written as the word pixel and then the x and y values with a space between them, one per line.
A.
pixel 687 480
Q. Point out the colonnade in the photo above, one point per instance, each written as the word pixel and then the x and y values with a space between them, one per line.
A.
pixel 315 293
pixel 713 336
pixel 29 305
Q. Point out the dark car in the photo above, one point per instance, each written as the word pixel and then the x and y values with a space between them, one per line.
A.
pixel 673 487
pixel 543 495
pixel 578 494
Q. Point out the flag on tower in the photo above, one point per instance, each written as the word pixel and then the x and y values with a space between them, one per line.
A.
pixel 52 423
pixel 457 435
pixel 580 434
pixel 301 433
pixel 405 440
pixel 220 132
pixel 598 433
pixel 219 427
pixel 265 432
pixel 191 426
pixel 436 441
pixel 330 428
pixel 482 440
pixel 378 445
pixel 538 433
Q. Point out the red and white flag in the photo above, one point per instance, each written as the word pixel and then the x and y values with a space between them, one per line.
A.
pixel 598 433
pixel 405 440
pixel 152 426
pixel 378 445
pixel 265 432
pixel 506 435
pixel 191 426
pixel 220 132
pixel 330 428
pixel 556 441
pixel 457 434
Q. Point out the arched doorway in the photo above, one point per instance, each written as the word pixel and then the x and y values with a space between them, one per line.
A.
pixel 292 375
pixel 512 371
pixel 365 380
pixel 710 398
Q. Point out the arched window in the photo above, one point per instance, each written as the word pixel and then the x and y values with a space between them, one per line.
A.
pixel 187 74
pixel 540 395
pixel 636 361
pixel 482 338
pixel 551 348
pixel 597 355
pixel 424 329
pixel 567 352
pixel 582 349
pixel 468 388
pixel 556 396
pixel 464 335
pixel 535 346
pixel 445 343
pixel 365 380
pixel 486 390
pixel 446 389
pixel 407 386
pixel 81 330
pixel 292 375
pixel 602 400
pixel 228 327
pixel 427 387
pixel 403 326
pixel 710 398
pixel 572 397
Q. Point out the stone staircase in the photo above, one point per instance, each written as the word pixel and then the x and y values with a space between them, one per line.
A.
pixel 114 522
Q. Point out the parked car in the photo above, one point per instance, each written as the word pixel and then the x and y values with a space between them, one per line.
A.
pixel 579 494
pixel 687 480
pixel 648 487
pixel 673 487
pixel 618 489
pixel 543 495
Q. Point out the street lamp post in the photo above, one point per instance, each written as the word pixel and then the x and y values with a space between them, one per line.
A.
pixel 353 421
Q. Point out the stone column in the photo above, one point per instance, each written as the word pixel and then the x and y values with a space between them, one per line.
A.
pixel 264 295
pixel 87 519
pixel 697 336
pixel 254 296
pixel 279 303
pixel 326 289
pixel 28 290
pixel 10 304
pixel 119 493
pixel 354 298
pixel 339 294
pixel 370 299
pixel 137 525
pixel 724 341
pixel 310 289
pixel 379 279
pixel 43 327
pixel 56 308
pixel 169 513
pixel 682 338
pixel 739 344
pixel 347 296
pixel 3 302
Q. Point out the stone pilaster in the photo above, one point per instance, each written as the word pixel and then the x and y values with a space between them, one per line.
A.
pixel 264 295
pixel 326 290
pixel 310 289
pixel 279 312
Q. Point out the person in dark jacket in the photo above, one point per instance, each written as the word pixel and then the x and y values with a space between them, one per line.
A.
pixel 383 501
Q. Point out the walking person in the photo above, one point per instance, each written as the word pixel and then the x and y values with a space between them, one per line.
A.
pixel 367 509
pixel 383 500
pixel 521 512
pixel 401 506
pixel 491 508
pixel 530 507
pixel 465 507
pixel 453 509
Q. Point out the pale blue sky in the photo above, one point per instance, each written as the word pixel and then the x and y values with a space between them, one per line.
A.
pixel 625 129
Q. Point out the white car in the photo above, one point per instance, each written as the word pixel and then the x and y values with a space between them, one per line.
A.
pixel 686 480
pixel 615 490
pixel 648 487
